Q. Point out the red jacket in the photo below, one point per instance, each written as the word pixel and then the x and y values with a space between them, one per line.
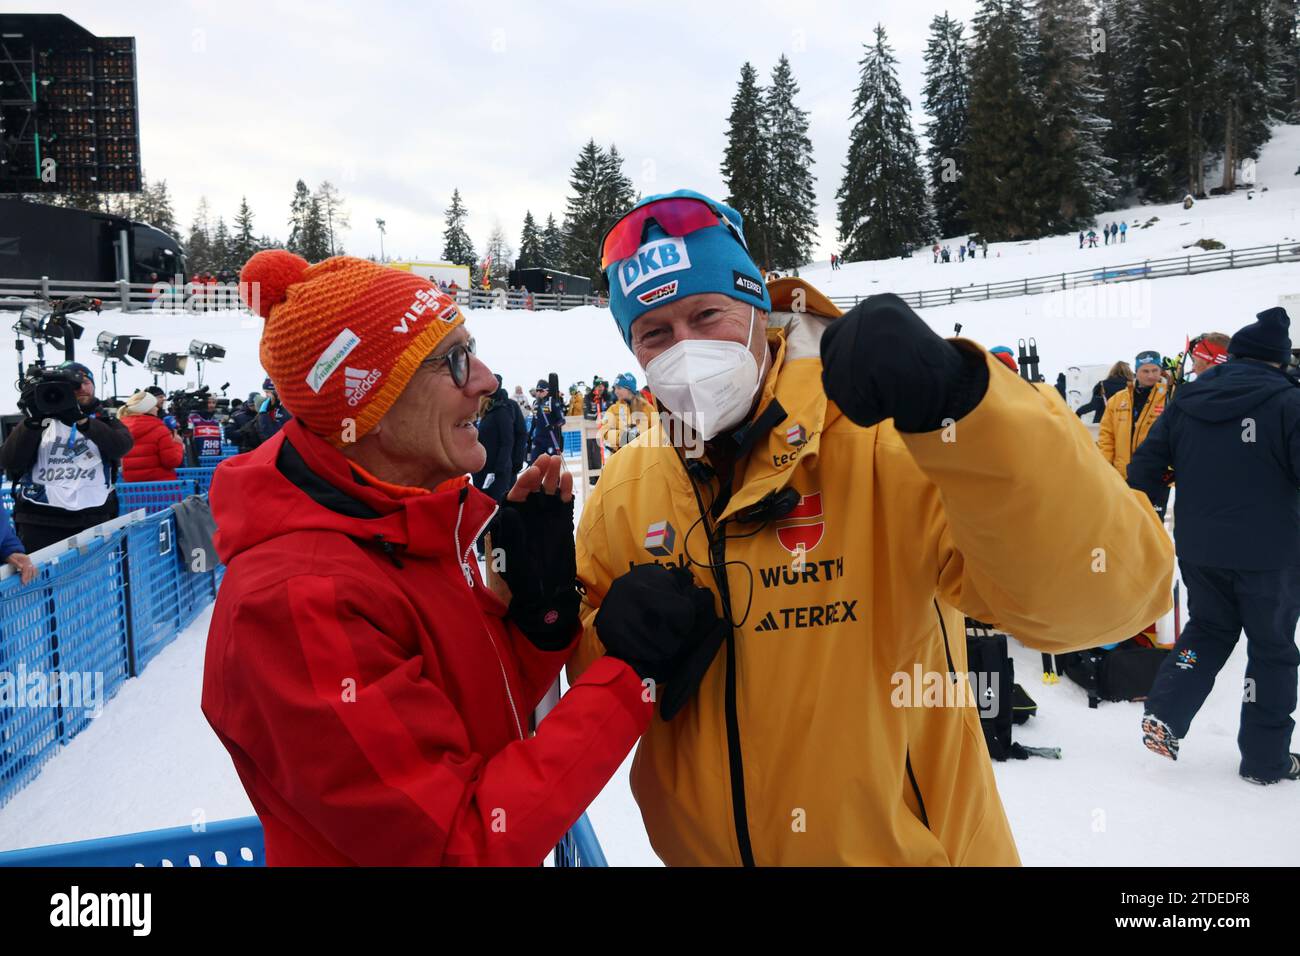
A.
pixel 371 695
pixel 155 456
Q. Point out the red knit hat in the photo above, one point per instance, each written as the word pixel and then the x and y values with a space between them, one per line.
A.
pixel 344 336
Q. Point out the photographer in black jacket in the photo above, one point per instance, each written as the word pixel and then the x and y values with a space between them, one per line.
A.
pixel 63 466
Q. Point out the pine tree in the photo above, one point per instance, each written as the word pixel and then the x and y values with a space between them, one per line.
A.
pixel 497 254
pixel 243 244
pixel 1180 123
pixel 947 101
pixel 154 206
pixel 456 244
pixel 791 202
pixel 882 202
pixel 1248 82
pixel 222 257
pixel 1074 174
pixel 315 239
pixel 601 194
pixel 198 248
pixel 335 214
pixel 1284 28
pixel 1119 57
pixel 531 254
pixel 553 253
pixel 744 162
pixel 298 208
pixel 1001 184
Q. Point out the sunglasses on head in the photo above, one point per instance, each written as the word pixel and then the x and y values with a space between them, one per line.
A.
pixel 457 360
pixel 679 216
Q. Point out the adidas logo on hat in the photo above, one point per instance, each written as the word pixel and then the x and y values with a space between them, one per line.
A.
pixel 357 383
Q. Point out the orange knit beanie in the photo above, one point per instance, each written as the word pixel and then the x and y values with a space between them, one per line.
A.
pixel 344 336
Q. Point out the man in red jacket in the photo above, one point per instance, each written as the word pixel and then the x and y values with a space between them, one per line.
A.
pixel 374 695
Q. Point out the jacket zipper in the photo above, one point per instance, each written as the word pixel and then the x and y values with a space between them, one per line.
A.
pixel 469 581
pixel 735 758
pixel 464 552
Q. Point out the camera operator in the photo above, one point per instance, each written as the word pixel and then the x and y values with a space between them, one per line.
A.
pixel 205 429
pixel 63 458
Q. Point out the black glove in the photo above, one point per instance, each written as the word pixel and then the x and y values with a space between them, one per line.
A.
pixel 881 361
pixel 665 627
pixel 536 536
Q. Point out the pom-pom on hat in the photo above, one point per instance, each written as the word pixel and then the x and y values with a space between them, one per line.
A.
pixel 342 337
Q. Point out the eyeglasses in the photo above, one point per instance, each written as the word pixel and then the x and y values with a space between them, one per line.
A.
pixel 457 359
pixel 679 216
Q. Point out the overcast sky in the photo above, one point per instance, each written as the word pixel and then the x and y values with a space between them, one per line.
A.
pixel 399 102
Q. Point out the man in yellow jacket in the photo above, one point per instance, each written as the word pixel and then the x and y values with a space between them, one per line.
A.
pixel 861 483
pixel 627 417
pixel 1130 413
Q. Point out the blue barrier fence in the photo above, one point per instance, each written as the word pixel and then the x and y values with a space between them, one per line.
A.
pixel 228 843
pixel 95 615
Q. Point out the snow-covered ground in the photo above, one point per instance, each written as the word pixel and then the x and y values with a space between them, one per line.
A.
pixel 151 761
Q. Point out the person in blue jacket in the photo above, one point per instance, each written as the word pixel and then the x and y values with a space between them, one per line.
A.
pixel 12 551
pixel 1232 443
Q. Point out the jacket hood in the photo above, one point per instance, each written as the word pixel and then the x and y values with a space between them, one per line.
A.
pixel 1227 392
pixel 295 481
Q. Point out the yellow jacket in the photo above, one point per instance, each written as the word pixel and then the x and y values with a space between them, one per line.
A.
pixel 1118 438
pixel 897 533
pixel 575 404
pixel 620 416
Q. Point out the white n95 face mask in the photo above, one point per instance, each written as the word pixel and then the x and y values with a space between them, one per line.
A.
pixel 708 384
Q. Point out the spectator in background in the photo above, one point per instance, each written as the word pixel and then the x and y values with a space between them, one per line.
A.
pixel 1081 238
pixel 935 250
pixel 1131 412
pixel 12 551
pixel 1123 232
pixel 1116 380
pixel 270 418
pixel 156 452
pixel 241 413
pixel 496 433
pixel 575 400
pixel 1210 349
pixel 64 469
pixel 521 399
pixel 594 405
pixel 546 435
pixel 626 417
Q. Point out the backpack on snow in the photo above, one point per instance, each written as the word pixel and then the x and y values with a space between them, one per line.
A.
pixel 1125 672
pixel 1000 700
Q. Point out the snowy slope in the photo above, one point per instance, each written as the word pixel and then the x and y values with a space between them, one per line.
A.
pixel 1236 221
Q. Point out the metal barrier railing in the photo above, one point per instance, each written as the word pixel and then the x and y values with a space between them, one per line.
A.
pixel 145 297
pixel 1190 264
